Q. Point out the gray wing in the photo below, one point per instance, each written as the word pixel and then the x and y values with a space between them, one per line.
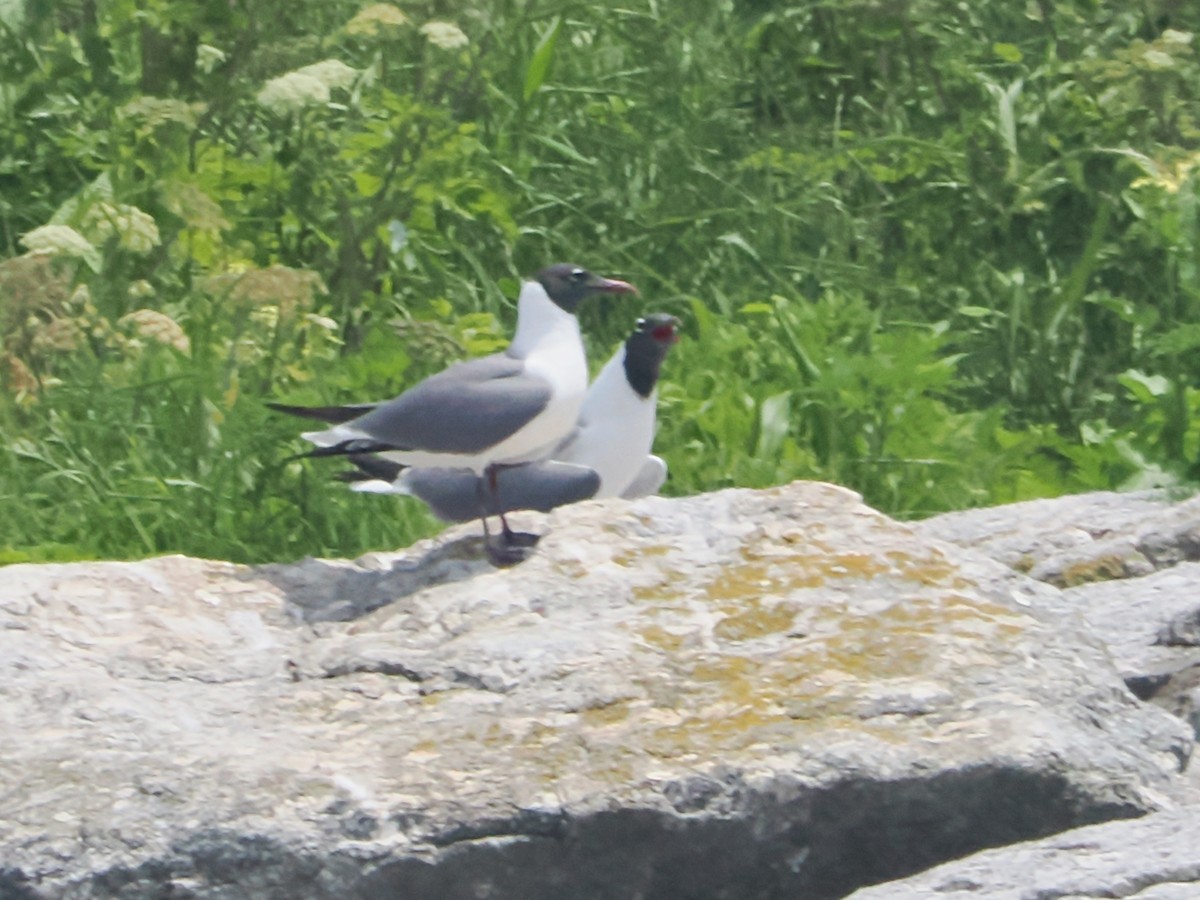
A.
pixel 648 480
pixel 457 495
pixel 468 408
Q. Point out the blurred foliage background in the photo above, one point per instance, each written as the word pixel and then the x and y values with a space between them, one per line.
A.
pixel 942 253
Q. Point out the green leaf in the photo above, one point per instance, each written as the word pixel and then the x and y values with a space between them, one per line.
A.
pixel 368 183
pixel 774 422
pixel 1008 52
pixel 539 63
pixel 1145 388
pixel 1180 339
pixel 1006 120
pixel 73 208
pixel 701 315
pixel 565 149
pixel 736 240
pixel 12 14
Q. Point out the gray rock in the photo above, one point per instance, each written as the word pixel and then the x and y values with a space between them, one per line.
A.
pixel 1130 559
pixel 745 694
pixel 1149 626
pixel 1154 858
pixel 1069 541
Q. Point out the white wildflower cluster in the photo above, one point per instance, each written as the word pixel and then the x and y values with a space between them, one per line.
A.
pixel 376 19
pixel 59 240
pixel 285 288
pixel 309 86
pixel 1165 52
pixel 156 326
pixel 134 229
pixel 332 72
pixel 209 57
pixel 59 335
pixel 293 92
pixel 446 35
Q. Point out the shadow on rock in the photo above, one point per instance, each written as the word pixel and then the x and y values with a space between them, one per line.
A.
pixel 319 590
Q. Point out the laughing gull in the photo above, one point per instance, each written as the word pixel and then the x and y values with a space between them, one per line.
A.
pixel 503 409
pixel 607 454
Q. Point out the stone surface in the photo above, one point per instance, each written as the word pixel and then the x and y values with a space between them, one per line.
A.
pixel 1153 858
pixel 1136 586
pixel 744 694
pixel 1149 625
pixel 1069 541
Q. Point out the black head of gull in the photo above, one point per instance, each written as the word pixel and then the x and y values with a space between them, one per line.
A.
pixel 646 348
pixel 568 285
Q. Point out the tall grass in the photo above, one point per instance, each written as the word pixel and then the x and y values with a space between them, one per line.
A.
pixel 944 255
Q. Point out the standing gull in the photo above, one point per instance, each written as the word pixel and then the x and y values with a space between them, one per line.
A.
pixel 607 453
pixel 503 409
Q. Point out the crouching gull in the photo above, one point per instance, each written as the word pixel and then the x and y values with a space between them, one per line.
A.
pixel 504 409
pixel 607 453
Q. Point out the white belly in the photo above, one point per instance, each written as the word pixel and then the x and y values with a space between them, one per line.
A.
pixel 615 431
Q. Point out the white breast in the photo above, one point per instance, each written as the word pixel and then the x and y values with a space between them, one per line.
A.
pixel 615 430
pixel 548 340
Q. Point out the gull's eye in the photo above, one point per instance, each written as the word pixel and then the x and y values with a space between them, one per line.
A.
pixel 578 275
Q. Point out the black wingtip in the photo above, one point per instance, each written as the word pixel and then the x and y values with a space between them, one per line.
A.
pixel 330 415
pixel 372 468
pixel 349 448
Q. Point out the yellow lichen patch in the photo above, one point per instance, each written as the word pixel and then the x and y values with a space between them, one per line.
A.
pixel 741 582
pixel 861 565
pixel 951 617
pixel 809 538
pixel 660 592
pixel 771 569
pixel 931 569
pixel 756 621
pixel 704 734
pixel 736 681
pixel 731 702
pixel 913 637
pixel 659 637
pixel 425 746
pixel 1103 568
pixel 609 714
pixel 876 656
pixel 725 668
pixel 739 686
pixel 741 702
pixel 999 620
pixel 630 557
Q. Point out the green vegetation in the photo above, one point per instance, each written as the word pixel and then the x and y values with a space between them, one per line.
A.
pixel 945 254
